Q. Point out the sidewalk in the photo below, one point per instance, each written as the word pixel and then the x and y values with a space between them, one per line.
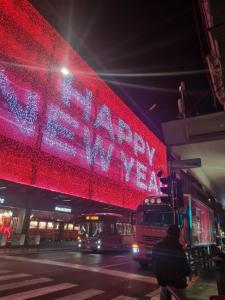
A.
pixel 46 246
pixel 201 288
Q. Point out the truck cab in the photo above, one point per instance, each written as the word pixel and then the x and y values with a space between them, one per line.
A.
pixel 153 217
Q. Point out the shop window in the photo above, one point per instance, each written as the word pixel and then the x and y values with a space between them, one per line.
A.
pixel 50 225
pixel 42 225
pixel 33 224
pixel 77 227
pixel 70 227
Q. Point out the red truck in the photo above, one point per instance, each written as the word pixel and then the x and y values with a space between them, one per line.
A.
pixel 156 214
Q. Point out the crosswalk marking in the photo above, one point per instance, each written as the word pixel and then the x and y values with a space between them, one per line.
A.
pixel 126 275
pixel 82 295
pixel 38 292
pixel 124 298
pixel 15 285
pixel 13 276
pixel 5 271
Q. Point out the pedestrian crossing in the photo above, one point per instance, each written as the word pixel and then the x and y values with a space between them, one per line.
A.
pixel 22 286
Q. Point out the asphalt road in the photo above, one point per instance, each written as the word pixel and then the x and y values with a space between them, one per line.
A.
pixel 69 275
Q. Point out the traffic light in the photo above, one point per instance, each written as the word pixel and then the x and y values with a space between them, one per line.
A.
pixel 166 181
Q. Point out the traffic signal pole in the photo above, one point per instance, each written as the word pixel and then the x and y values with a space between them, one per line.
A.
pixel 173 196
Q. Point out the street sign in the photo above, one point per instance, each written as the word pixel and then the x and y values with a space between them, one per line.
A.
pixel 185 164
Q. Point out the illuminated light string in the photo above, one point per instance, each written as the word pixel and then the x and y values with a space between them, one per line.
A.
pixel 104 120
pixel 54 133
pixel 26 116
pixel 98 147
pixel 68 93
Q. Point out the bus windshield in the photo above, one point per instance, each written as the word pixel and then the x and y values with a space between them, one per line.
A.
pixel 152 217
pixel 95 229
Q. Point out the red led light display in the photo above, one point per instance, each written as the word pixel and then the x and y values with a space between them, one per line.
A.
pixel 67 131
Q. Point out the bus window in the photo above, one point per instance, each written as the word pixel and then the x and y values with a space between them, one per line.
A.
pixel 85 229
pixel 120 228
pixel 112 229
pixel 97 228
pixel 129 229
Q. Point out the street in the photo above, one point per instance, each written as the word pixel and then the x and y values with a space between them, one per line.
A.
pixel 73 275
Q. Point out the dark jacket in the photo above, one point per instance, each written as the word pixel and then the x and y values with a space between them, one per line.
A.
pixel 170 264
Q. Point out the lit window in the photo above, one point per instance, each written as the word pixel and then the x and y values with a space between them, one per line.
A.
pixel 33 224
pixel 70 227
pixel 42 225
pixel 50 225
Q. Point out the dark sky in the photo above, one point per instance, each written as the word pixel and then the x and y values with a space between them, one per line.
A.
pixel 160 38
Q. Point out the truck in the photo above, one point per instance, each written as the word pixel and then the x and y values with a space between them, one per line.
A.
pixel 156 213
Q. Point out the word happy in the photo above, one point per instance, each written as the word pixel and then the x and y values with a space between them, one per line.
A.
pixel 95 138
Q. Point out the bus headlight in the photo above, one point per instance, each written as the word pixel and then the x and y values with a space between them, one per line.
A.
pixel 99 242
pixel 79 245
pixel 135 248
pixel 98 246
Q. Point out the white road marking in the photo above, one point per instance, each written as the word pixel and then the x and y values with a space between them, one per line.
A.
pixel 82 295
pixel 153 293
pixel 124 298
pixel 5 271
pixel 38 292
pixel 119 256
pixel 130 276
pixel 15 285
pixel 114 265
pixel 13 276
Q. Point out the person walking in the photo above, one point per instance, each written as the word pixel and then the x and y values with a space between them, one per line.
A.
pixel 170 265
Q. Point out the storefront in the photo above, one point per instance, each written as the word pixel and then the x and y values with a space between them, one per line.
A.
pixel 52 226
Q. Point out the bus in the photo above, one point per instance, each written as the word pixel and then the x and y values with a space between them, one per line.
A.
pixel 104 232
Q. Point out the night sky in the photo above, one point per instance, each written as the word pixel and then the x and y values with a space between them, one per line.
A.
pixel 124 40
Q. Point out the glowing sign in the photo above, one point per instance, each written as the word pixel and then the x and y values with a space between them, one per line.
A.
pixel 92 218
pixel 62 128
pixel 63 209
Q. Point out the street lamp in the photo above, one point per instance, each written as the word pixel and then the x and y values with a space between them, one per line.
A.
pixel 65 71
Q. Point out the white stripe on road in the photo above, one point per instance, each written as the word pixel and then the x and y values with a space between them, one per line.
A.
pixel 39 292
pixel 120 274
pixel 15 285
pixel 82 295
pixel 124 298
pixel 13 276
pixel 5 271
pixel 114 265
